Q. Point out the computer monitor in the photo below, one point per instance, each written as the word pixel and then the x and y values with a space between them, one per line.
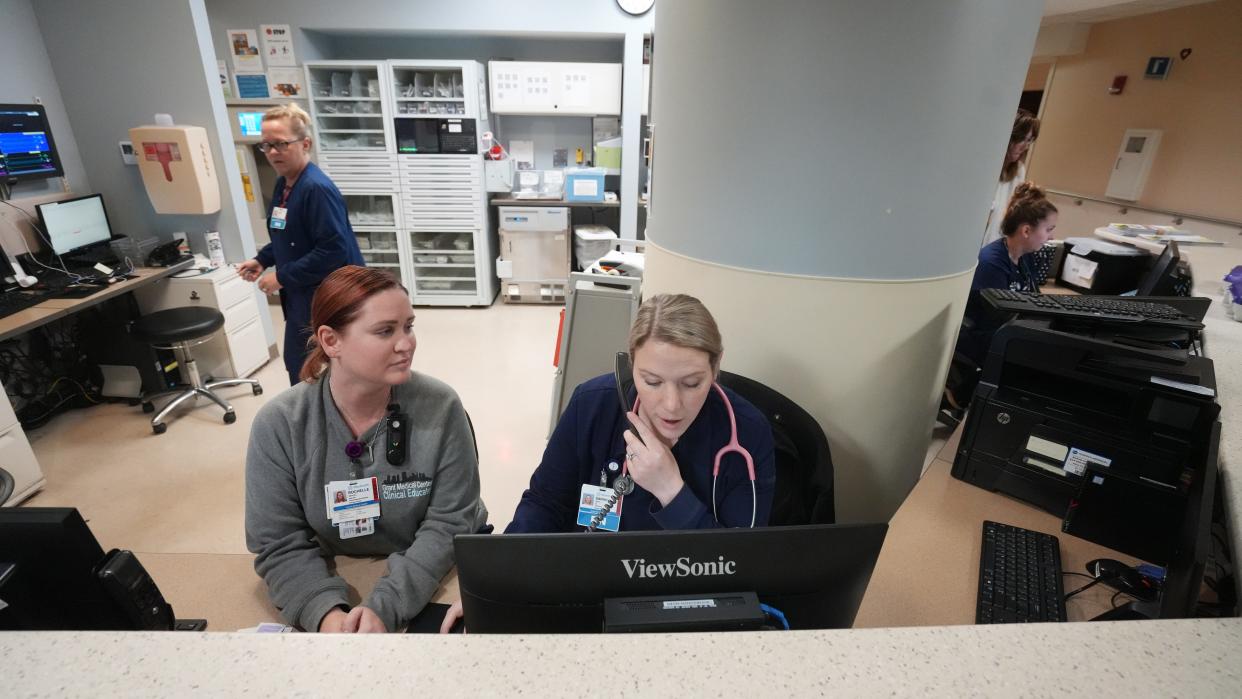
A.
pixel 74 225
pixel 250 124
pixel 557 583
pixel 50 557
pixel 1160 279
pixel 27 149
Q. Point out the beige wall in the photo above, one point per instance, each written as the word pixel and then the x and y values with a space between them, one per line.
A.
pixel 1198 168
pixel 1036 76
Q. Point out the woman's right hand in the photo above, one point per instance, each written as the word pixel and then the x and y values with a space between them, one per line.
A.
pixel 333 621
pixel 451 616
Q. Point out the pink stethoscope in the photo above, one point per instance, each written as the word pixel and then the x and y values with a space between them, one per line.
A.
pixel 733 446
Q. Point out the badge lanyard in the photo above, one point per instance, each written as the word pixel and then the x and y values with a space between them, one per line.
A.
pixel 733 446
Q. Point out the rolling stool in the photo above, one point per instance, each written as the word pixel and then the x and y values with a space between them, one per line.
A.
pixel 179 329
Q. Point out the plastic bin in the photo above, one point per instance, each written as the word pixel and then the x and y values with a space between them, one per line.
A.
pixel 591 243
pixel 608 154
pixel 584 184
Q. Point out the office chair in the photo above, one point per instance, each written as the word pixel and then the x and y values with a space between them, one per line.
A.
pixel 179 329
pixel 487 528
pixel 804 474
pixel 959 384
pixel 7 485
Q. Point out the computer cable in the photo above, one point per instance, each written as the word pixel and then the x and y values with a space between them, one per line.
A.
pixel 34 224
pixel 1090 585
pixel 775 614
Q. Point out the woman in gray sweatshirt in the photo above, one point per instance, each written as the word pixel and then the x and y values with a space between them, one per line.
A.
pixel 322 478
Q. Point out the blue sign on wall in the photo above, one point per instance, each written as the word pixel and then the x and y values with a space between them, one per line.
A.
pixel 1158 67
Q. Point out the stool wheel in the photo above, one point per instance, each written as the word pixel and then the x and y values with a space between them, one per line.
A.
pixel 230 417
pixel 148 407
pixel 159 428
pixel 257 390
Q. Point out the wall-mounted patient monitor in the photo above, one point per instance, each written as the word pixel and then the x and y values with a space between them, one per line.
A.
pixel 177 168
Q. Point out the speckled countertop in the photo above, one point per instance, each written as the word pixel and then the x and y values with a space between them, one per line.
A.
pixel 1156 658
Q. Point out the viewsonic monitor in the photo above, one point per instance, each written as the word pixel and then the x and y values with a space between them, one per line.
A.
pixel 557 583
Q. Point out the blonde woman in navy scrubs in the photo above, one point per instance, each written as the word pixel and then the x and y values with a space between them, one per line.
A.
pixel 309 227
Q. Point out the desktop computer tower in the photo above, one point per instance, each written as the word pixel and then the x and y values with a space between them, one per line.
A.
pixel 128 367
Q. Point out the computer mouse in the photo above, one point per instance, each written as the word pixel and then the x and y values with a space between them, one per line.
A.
pixel 1120 576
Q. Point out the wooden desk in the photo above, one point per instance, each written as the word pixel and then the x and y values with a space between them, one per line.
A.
pixel 54 309
pixel 928 570
pixel 225 590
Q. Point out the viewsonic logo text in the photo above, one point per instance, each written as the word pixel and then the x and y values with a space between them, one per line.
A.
pixel 681 568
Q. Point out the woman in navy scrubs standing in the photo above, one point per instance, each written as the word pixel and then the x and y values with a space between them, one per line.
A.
pixel 309 228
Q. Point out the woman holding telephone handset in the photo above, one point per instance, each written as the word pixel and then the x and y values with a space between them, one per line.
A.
pixel 684 453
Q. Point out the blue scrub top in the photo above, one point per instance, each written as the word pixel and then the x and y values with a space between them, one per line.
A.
pixel 588 437
pixel 995 271
pixel 317 238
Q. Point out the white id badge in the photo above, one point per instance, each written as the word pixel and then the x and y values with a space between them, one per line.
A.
pixel 591 500
pixel 356 528
pixel 352 500
pixel 279 215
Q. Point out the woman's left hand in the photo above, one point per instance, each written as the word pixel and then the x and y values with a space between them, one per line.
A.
pixel 651 464
pixel 363 620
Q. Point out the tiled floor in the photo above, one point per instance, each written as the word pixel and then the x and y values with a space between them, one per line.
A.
pixel 183 491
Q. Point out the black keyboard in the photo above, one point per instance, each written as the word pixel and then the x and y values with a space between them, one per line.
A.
pixel 1019 576
pixel 20 299
pixel 1113 309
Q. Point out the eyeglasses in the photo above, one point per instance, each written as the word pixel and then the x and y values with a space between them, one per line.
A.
pixel 278 146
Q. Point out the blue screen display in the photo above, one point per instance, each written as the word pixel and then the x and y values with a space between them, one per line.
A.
pixel 250 123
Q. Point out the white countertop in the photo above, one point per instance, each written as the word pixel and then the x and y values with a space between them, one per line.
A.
pixel 1155 658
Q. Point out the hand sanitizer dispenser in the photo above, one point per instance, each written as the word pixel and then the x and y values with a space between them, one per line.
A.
pixel 177 168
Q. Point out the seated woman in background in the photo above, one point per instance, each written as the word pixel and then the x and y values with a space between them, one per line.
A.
pixel 681 476
pixel 1006 264
pixel 321 481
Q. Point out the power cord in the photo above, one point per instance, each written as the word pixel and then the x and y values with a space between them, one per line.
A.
pixel 45 238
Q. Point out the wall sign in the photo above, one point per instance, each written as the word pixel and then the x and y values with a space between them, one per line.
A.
pixel 1158 67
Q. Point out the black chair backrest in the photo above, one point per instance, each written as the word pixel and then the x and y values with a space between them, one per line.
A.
pixel 6 486
pixel 804 475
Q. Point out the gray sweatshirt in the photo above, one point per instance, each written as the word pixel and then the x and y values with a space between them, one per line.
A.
pixel 297 445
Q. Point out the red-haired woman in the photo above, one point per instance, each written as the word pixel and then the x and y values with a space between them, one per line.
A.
pixel 363 457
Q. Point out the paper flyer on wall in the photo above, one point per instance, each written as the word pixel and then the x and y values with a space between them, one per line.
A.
pixel 285 82
pixel 244 46
pixel 225 85
pixel 252 86
pixel 277 42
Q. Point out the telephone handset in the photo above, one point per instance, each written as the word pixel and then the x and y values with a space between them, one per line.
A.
pixel 134 592
pixel 165 255
pixel 624 374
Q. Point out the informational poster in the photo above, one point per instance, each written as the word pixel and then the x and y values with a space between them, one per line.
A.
pixel 277 40
pixel 285 82
pixel 252 86
pixel 244 46
pixel 225 85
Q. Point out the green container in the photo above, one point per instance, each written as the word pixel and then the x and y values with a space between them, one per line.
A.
pixel 608 154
